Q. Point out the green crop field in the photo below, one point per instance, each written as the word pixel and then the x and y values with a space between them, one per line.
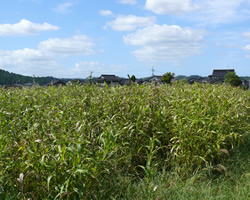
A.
pixel 130 142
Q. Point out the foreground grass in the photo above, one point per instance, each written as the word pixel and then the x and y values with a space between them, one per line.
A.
pixel 231 184
pixel 137 142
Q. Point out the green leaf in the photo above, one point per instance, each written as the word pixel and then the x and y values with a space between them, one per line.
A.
pixel 48 181
pixel 106 85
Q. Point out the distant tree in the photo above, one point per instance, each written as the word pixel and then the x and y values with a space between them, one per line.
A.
pixel 129 79
pixel 183 81
pixel 133 78
pixel 90 79
pixel 180 77
pixel 75 81
pixel 232 79
pixel 7 78
pixel 168 77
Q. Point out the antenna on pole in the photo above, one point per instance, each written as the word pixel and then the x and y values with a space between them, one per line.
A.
pixel 34 79
pixel 153 71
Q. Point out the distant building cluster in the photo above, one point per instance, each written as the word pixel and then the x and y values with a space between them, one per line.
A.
pixel 113 80
pixel 217 76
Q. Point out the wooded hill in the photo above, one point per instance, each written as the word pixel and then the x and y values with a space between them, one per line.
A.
pixel 8 78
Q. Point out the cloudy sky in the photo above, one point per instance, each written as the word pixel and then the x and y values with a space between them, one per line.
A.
pixel 71 39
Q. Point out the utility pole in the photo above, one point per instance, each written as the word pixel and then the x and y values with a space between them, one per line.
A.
pixel 153 71
pixel 90 76
pixel 90 79
pixel 34 79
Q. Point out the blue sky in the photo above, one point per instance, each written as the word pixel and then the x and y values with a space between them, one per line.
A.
pixel 71 39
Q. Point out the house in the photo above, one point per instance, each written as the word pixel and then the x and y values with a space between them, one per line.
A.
pixel 76 82
pixel 246 83
pixel 219 74
pixel 156 79
pixel 29 84
pixel 139 81
pixel 55 83
pixel 109 79
pixel 198 80
pixel 15 86
pixel 124 81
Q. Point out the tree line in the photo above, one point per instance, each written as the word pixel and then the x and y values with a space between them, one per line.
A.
pixel 8 78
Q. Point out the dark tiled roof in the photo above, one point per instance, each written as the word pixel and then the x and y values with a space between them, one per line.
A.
pixel 16 85
pixel 28 84
pixel 158 77
pixel 55 82
pixel 112 78
pixel 221 72
pixel 154 78
pixel 124 81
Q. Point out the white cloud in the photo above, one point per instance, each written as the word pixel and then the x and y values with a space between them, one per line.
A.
pixel 76 45
pixel 246 34
pixel 44 61
pixel 247 47
pixel 203 11
pixel 64 7
pixel 130 22
pixel 86 67
pixel 28 62
pixel 105 12
pixel 34 62
pixel 170 6
pixel 25 27
pixel 165 43
pixel 220 11
pixel 131 2
pixel 19 56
